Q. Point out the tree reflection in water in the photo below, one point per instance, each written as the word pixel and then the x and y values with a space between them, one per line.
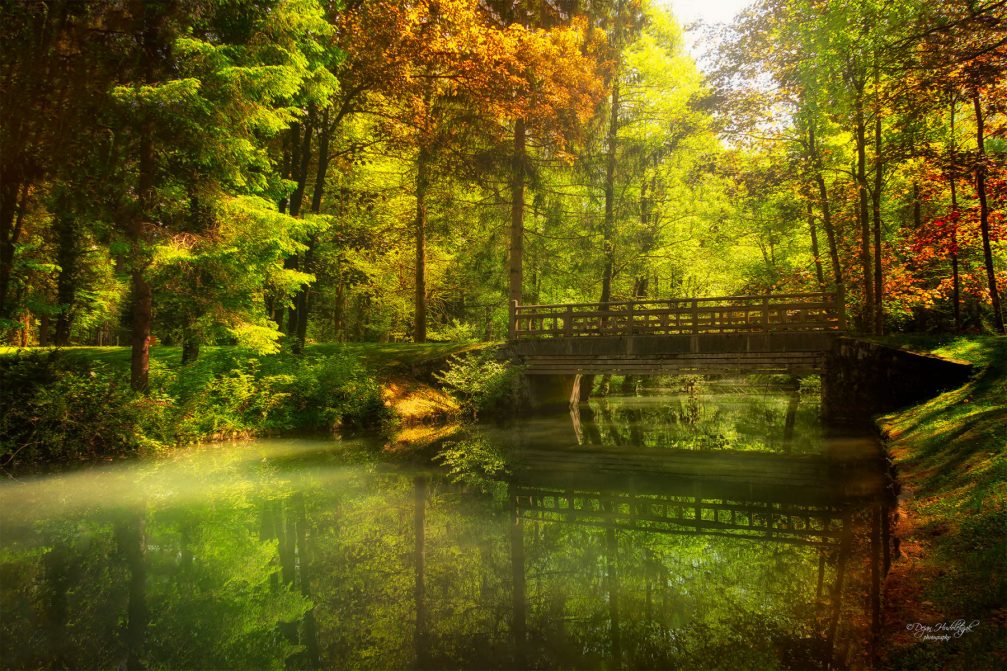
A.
pixel 642 544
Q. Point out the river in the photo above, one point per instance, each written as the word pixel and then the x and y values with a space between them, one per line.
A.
pixel 705 526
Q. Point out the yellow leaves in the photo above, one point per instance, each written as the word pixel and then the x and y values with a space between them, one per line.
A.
pixel 446 50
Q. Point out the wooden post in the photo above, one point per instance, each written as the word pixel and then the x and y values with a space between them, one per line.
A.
pixel 512 321
pixel 765 314
pixel 695 316
pixel 568 321
pixel 629 319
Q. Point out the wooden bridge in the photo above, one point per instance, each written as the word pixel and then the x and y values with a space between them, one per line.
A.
pixel 788 333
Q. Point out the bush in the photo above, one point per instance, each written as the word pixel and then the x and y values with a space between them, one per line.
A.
pixel 53 410
pixel 56 409
pixel 326 393
pixel 231 394
pixel 482 384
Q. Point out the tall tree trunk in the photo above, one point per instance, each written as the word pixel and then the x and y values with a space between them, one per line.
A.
pixel 141 293
pixel 13 198
pixel 302 302
pixel 879 311
pixel 190 344
pixel 517 184
pixel 422 186
pixel 864 211
pixel 68 257
pixel 819 273
pixel 301 162
pixel 984 214
pixel 609 225
pixel 824 203
pixel 140 220
pixel 953 177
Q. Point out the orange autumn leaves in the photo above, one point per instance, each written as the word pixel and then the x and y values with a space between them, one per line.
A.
pixel 440 68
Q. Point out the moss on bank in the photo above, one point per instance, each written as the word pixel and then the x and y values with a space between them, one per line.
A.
pixel 951 458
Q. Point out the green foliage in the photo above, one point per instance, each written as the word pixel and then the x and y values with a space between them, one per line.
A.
pixel 232 393
pixel 456 331
pixel 483 384
pixel 57 408
pixel 476 461
pixel 950 453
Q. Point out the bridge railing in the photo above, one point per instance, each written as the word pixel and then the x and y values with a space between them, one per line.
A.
pixel 781 313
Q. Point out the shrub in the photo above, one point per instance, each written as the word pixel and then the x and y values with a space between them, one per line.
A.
pixel 482 384
pixel 56 409
pixel 230 394
pixel 325 393
pixel 53 410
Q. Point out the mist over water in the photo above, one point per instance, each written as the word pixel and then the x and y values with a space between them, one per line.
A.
pixel 704 525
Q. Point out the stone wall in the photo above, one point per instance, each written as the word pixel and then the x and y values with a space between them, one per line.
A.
pixel 864 378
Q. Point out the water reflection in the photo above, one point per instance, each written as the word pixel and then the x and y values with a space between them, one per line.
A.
pixel 638 547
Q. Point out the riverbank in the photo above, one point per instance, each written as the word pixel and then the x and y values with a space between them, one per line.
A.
pixel 75 404
pixel 951 459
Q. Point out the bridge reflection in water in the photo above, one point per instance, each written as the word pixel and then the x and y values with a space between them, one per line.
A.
pixel 724 534
pixel 837 507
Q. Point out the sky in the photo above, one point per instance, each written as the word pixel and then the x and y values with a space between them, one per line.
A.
pixel 707 11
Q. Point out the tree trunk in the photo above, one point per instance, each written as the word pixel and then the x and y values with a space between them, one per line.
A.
pixel 819 273
pixel 136 227
pixel 608 229
pixel 864 212
pixel 823 197
pixel 953 177
pixel 301 162
pixel 190 346
pixel 517 212
pixel 984 215
pixel 422 186
pixel 141 292
pixel 68 256
pixel 13 197
pixel 879 310
pixel 302 303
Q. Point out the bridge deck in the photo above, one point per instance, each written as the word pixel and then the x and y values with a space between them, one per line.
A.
pixel 740 334
pixel 784 313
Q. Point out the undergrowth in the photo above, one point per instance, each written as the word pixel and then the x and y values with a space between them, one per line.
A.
pixel 58 408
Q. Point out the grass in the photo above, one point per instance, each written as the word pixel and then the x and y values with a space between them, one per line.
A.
pixel 951 457
pixel 380 357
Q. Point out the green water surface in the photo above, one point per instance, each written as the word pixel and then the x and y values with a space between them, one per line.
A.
pixel 674 530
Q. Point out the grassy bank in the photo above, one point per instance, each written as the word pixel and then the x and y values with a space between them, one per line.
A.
pixel 74 404
pixel 951 457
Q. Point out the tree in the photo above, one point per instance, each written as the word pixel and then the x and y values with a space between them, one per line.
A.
pixel 451 80
pixel 203 90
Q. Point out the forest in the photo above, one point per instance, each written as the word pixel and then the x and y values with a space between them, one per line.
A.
pixel 266 395
pixel 271 173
